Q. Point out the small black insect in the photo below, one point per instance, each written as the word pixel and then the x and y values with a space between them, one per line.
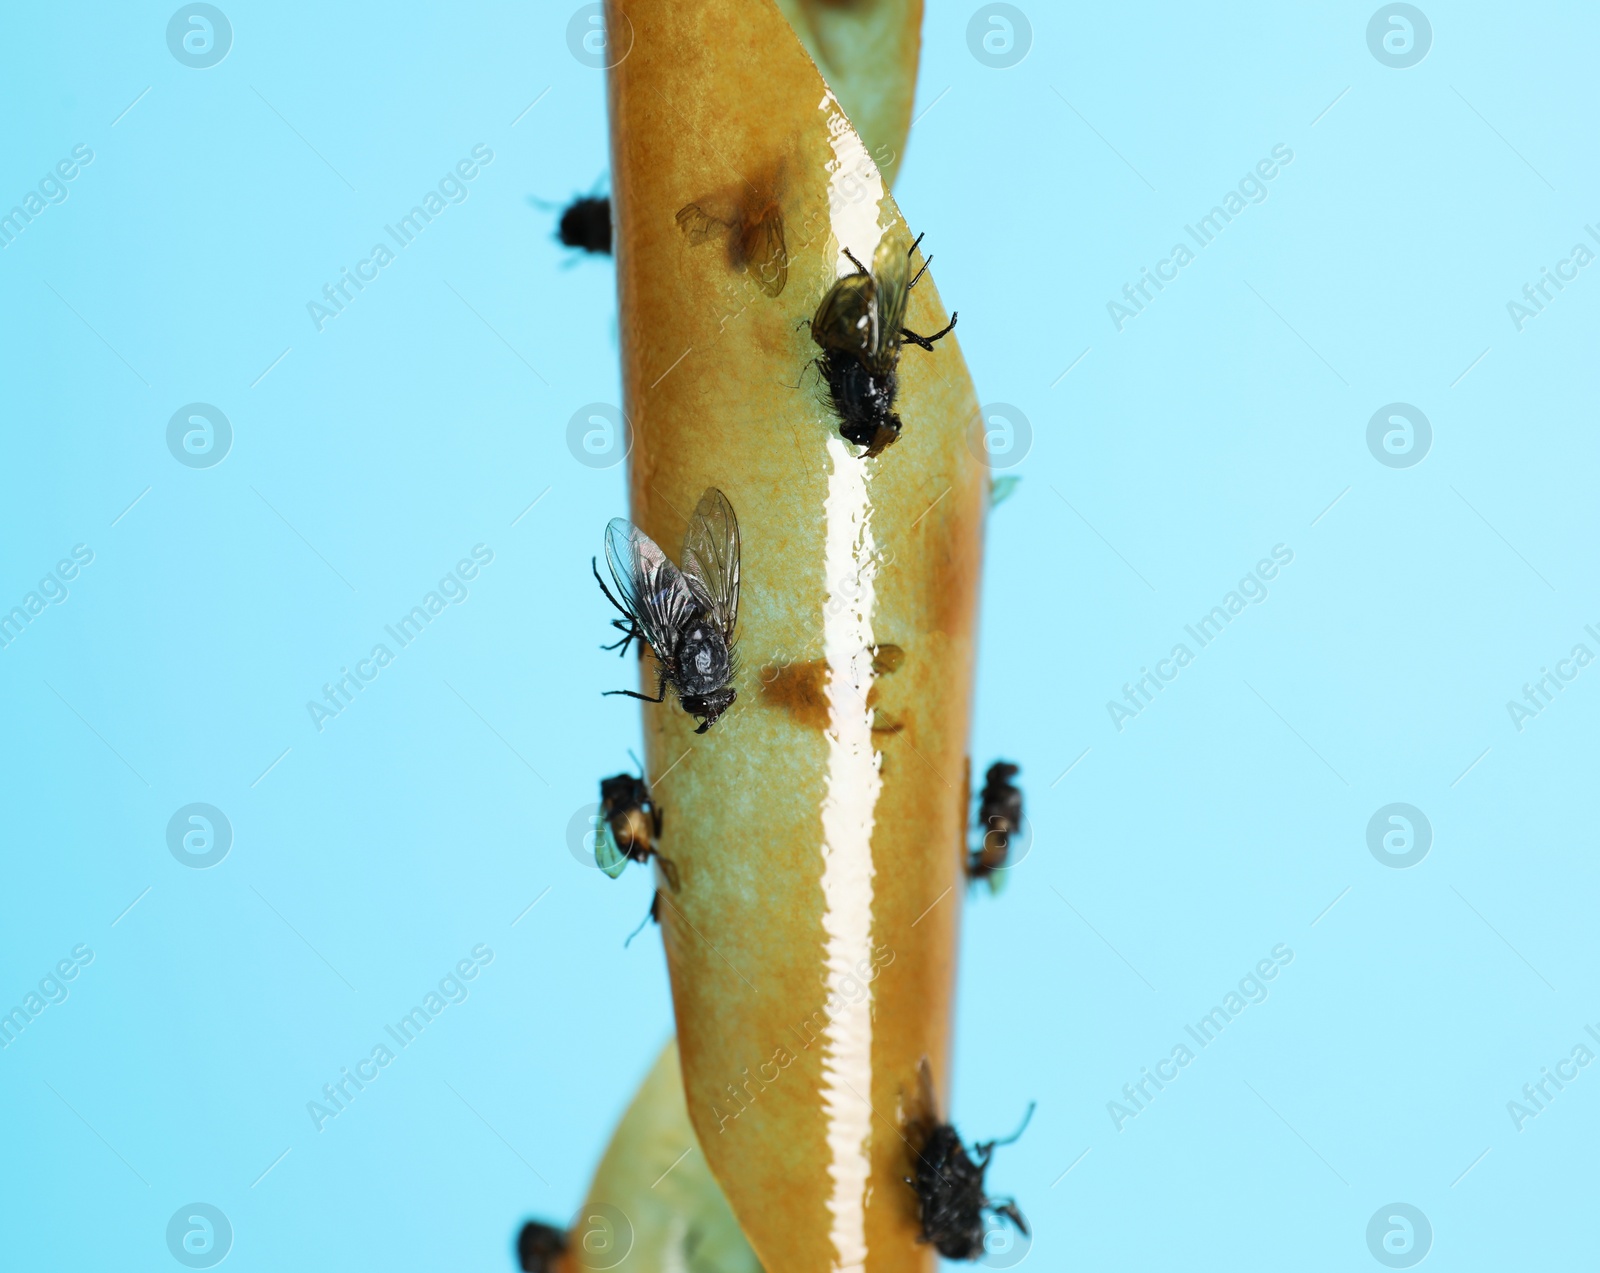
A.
pixel 858 326
pixel 949 1182
pixel 586 223
pixel 539 1245
pixel 686 616
pixel 630 827
pixel 999 818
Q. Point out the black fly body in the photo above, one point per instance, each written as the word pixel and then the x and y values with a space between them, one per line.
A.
pixel 539 1246
pixel 999 818
pixel 685 615
pixel 949 1182
pixel 859 327
pixel 586 223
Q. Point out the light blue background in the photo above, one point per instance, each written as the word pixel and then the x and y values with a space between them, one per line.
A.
pixel 1225 819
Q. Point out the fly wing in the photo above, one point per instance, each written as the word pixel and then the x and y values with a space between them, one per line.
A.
pixel 698 225
pixel 651 586
pixel 766 255
pixel 891 271
pixel 608 855
pixel 921 1108
pixel 847 319
pixel 711 557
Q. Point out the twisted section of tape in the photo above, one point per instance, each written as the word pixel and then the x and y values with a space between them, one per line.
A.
pixel 817 828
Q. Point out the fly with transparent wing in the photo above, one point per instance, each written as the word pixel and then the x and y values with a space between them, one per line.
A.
pixel 685 615
pixel 859 328
pixel 954 1208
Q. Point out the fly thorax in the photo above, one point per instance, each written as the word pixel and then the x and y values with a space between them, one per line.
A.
pixel 703 660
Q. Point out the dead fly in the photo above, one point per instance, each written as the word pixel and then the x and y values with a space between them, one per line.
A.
pixel 686 615
pixel 750 220
pixel 858 326
pixel 584 223
pixel 949 1182
pixel 999 818
pixel 630 827
pixel 539 1246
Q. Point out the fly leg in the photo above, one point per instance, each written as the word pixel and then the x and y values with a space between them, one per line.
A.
pixel 806 371
pixel 1008 1208
pixel 926 262
pixel 595 566
pixel 635 694
pixel 926 342
pixel 661 691
pixel 630 633
pixel 627 625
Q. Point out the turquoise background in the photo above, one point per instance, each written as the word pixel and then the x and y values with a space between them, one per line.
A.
pixel 1227 818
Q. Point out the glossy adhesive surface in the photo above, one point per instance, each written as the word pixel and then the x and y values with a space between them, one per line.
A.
pixel 818 827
